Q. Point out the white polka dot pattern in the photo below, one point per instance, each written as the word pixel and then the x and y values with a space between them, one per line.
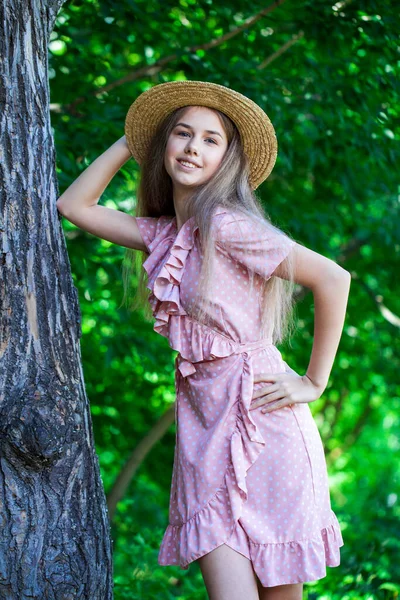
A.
pixel 256 482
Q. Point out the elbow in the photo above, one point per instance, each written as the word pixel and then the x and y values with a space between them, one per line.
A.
pixel 65 208
pixel 332 278
pixel 341 274
pixel 59 206
pixel 338 277
pixel 345 275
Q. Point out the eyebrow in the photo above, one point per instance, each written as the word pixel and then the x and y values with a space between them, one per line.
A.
pixel 206 130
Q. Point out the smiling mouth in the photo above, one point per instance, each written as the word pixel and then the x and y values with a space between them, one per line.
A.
pixel 188 164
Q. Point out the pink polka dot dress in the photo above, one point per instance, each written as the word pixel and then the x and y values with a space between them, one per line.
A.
pixel 256 482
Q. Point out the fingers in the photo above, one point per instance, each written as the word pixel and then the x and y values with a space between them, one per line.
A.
pixel 268 377
pixel 273 396
pixel 273 378
pixel 273 387
pixel 265 398
pixel 276 405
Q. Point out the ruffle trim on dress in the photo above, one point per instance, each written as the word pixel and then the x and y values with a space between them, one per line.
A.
pixel 205 529
pixel 274 563
pixel 298 561
pixel 165 267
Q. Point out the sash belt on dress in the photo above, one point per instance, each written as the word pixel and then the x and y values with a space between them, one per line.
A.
pixel 187 368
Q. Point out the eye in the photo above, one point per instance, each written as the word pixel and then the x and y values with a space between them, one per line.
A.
pixel 185 133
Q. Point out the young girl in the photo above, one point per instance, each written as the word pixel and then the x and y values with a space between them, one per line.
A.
pixel 249 496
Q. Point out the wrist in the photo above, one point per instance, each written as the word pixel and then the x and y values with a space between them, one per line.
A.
pixel 122 148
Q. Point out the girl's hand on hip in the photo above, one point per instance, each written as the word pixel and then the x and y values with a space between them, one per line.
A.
pixel 284 389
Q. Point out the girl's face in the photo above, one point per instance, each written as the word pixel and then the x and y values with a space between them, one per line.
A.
pixel 195 148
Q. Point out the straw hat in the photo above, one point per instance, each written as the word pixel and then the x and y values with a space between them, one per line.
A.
pixel 255 128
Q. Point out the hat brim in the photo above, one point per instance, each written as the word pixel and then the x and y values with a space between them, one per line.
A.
pixel 155 104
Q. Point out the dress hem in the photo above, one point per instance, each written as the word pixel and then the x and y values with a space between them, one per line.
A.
pixel 330 537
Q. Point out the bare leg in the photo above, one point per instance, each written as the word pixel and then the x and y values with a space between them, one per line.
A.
pixel 228 575
pixel 281 592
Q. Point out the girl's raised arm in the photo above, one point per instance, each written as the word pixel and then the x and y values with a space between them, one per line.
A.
pixel 79 202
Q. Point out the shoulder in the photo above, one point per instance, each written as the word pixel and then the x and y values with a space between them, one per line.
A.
pixel 229 218
pixel 252 241
pixel 232 225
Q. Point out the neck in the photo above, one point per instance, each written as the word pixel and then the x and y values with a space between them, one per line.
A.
pixel 180 204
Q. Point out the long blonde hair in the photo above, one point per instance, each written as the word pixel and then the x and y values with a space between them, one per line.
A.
pixel 228 187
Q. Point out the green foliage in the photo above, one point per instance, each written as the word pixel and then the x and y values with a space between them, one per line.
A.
pixel 139 576
pixel 333 97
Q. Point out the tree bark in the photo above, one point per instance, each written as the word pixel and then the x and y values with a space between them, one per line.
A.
pixel 55 540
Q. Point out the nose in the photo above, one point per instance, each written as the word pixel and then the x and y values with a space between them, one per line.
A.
pixel 191 146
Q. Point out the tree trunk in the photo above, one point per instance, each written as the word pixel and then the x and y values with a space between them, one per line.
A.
pixel 55 537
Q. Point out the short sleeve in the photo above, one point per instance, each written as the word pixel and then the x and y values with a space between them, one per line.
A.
pixel 147 228
pixel 253 242
pixel 150 228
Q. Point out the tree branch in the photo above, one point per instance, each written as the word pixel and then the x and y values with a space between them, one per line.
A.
pixel 281 50
pixel 136 458
pixel 295 38
pixel 378 301
pixel 149 70
pixel 248 23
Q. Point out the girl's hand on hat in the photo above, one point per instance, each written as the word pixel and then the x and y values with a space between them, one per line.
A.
pixel 284 389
